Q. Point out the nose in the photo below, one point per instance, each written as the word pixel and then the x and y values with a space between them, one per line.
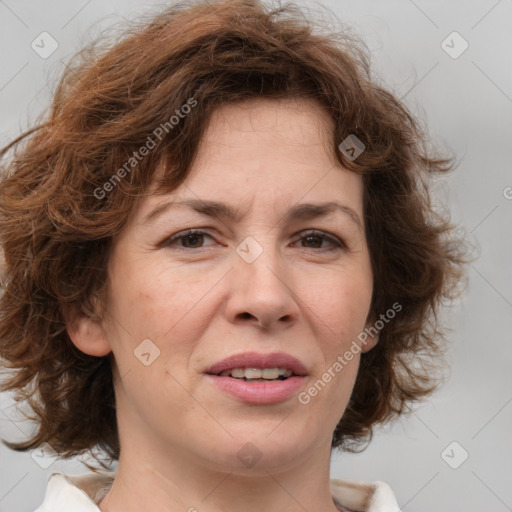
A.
pixel 261 292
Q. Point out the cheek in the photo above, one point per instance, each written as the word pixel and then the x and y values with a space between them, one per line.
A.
pixel 152 300
pixel 339 300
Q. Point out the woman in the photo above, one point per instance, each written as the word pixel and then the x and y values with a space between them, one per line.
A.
pixel 221 262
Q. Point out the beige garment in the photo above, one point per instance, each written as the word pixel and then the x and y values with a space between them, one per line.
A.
pixel 82 493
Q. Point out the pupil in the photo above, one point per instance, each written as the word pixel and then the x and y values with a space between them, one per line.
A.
pixel 194 236
pixel 314 237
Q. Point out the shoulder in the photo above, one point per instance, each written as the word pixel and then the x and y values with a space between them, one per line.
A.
pixel 75 493
pixel 362 496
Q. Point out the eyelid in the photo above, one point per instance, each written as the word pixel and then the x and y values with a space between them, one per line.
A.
pixel 182 234
pixel 325 235
pixel 336 242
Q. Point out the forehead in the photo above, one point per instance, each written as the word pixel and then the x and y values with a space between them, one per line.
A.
pixel 279 150
pixel 240 129
pixel 295 119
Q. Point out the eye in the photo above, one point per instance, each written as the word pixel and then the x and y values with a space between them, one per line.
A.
pixel 195 239
pixel 190 239
pixel 315 239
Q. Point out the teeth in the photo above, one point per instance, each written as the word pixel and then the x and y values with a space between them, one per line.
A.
pixel 270 373
pixel 258 373
pixel 253 373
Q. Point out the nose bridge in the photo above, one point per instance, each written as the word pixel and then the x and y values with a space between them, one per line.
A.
pixel 260 282
pixel 260 263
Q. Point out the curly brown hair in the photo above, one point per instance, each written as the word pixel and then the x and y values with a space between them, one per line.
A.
pixel 57 223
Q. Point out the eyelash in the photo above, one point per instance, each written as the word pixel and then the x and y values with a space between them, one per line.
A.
pixel 337 244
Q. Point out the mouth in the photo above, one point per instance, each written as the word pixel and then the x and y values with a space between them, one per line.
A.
pixel 253 366
pixel 259 378
pixel 258 374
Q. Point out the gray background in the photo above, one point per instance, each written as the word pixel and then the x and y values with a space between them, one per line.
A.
pixel 467 104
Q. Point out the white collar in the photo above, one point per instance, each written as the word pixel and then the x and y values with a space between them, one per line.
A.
pixel 82 493
pixel 360 496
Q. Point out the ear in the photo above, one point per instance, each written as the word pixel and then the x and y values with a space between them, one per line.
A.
pixel 369 343
pixel 86 329
pixel 370 336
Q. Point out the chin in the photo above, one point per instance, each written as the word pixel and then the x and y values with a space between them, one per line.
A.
pixel 258 451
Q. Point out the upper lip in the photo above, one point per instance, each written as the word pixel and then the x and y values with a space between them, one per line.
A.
pixel 256 360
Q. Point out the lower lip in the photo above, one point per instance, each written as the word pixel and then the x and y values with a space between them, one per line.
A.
pixel 260 392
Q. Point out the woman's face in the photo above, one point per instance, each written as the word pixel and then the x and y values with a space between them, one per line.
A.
pixel 262 275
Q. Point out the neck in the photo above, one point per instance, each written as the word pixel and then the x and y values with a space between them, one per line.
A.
pixel 146 481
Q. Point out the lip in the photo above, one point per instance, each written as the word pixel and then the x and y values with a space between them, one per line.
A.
pixel 259 392
pixel 256 360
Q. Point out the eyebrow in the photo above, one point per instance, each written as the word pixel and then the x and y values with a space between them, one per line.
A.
pixel 216 209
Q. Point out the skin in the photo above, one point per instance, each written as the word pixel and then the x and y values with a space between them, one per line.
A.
pixel 201 302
